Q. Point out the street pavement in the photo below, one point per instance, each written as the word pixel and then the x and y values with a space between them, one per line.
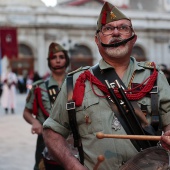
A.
pixel 17 144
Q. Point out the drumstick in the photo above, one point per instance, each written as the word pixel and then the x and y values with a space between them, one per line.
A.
pixel 100 159
pixel 101 135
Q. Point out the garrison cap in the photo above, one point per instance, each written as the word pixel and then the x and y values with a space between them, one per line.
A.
pixel 54 48
pixel 109 13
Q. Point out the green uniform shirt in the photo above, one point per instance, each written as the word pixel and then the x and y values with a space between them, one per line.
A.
pixel 45 97
pixel 115 151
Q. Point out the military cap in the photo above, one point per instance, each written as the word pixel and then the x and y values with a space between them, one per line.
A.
pixel 54 48
pixel 109 13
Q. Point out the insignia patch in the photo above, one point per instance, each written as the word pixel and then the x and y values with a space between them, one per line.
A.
pixel 112 15
pixel 149 64
pixel 116 124
pixel 87 119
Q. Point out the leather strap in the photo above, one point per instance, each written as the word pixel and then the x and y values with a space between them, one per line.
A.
pixel 155 117
pixel 70 107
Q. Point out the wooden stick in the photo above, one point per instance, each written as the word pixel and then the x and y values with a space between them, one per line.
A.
pixel 101 135
pixel 100 159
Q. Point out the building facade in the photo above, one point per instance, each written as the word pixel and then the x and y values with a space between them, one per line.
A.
pixel 73 24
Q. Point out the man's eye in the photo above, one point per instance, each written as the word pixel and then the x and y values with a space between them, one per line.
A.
pixel 108 28
pixel 124 27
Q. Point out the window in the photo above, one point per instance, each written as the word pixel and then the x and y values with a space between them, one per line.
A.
pixel 25 50
pixel 80 56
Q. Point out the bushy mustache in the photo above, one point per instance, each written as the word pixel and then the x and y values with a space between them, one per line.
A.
pixel 115 40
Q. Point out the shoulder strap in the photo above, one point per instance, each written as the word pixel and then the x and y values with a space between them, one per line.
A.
pixel 155 117
pixel 70 107
pixel 37 83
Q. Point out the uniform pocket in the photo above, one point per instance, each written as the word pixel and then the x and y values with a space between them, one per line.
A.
pixel 89 116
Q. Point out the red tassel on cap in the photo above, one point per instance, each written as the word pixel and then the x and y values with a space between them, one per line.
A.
pixel 104 17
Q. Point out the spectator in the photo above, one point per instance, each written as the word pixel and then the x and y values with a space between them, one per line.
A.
pixel 8 99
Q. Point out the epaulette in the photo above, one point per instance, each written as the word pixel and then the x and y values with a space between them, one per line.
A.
pixel 79 69
pixel 146 64
pixel 38 82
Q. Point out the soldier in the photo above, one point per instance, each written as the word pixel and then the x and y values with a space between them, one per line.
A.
pixel 42 96
pixel 103 106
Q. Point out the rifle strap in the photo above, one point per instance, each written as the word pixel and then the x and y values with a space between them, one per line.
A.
pixel 70 107
pixel 111 76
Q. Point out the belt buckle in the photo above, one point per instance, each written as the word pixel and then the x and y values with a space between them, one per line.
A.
pixel 154 90
pixel 70 106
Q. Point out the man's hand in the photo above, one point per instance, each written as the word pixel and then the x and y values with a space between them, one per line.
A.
pixel 165 140
pixel 36 127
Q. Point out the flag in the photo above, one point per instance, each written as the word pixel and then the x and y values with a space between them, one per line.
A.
pixel 9 44
pixel 0 65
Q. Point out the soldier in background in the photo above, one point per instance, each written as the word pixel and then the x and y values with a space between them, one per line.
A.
pixel 41 98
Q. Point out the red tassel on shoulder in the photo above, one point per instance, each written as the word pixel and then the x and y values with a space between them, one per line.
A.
pixel 132 94
pixel 35 104
pixel 39 98
pixel 38 103
pixel 78 92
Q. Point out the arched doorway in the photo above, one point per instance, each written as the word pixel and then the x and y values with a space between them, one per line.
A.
pixel 80 55
pixel 139 53
pixel 24 64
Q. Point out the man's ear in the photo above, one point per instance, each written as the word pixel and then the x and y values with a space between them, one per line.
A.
pixel 96 39
pixel 134 39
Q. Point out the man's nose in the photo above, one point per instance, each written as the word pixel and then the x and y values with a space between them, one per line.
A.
pixel 115 32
